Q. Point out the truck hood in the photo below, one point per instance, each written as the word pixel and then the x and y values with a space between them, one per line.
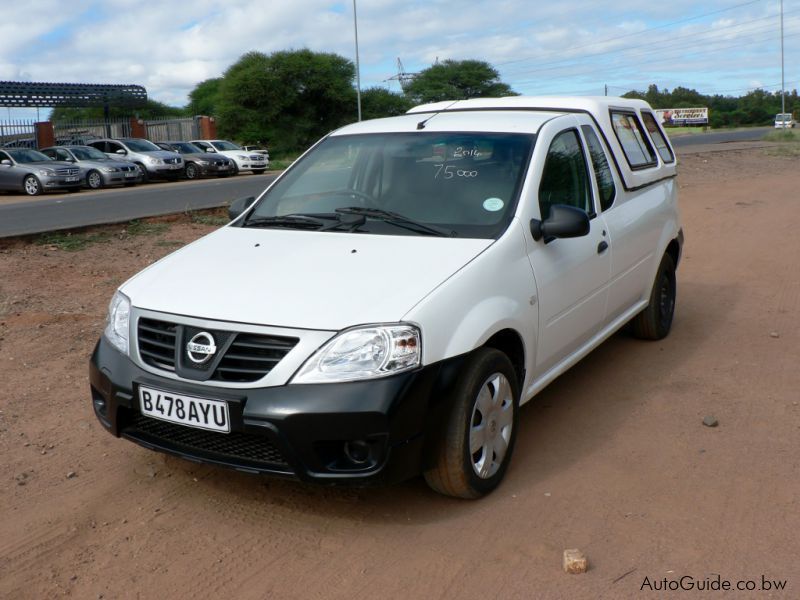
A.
pixel 300 279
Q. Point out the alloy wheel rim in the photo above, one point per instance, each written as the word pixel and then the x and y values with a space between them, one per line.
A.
pixel 31 186
pixel 94 180
pixel 491 425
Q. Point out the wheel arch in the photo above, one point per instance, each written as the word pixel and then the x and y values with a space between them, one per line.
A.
pixel 509 342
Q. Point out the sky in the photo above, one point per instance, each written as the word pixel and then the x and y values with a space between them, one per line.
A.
pixel 569 47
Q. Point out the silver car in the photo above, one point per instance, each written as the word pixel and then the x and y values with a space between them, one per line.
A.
pixel 153 162
pixel 98 170
pixel 31 172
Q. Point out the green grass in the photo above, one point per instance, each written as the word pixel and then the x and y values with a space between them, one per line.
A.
pixel 783 135
pixel 215 220
pixel 135 228
pixel 73 242
pixel 681 131
pixel 279 164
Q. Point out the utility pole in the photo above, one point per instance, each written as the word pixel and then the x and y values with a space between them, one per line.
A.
pixel 358 68
pixel 606 93
pixel 783 84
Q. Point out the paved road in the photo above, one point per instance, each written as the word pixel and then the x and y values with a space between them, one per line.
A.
pixel 720 137
pixel 66 211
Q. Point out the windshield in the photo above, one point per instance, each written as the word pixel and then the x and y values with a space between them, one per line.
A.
pixel 785 117
pixel 24 155
pixel 186 148
pixel 88 153
pixel 467 183
pixel 223 145
pixel 140 145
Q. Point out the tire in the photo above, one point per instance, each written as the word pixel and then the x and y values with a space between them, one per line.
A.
pixel 191 171
pixel 259 171
pixel 481 426
pixel 143 171
pixel 235 169
pixel 94 180
pixel 655 321
pixel 31 185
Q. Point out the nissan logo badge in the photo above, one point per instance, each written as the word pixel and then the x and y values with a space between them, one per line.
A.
pixel 201 348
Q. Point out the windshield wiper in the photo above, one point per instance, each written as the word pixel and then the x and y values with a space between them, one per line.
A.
pixel 394 218
pixel 297 221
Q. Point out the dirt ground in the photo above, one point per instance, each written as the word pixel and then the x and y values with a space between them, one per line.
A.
pixel 613 458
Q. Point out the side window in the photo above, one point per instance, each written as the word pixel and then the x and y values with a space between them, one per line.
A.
pixel 602 172
pixel 49 153
pixel 4 156
pixel 633 140
pixel 99 145
pixel 113 147
pixel 565 179
pixel 658 137
pixel 63 155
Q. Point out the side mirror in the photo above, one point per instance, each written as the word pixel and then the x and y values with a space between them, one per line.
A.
pixel 5 162
pixel 211 150
pixel 238 206
pixel 121 152
pixel 564 222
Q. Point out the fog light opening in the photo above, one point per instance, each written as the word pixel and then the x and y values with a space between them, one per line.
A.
pixel 357 451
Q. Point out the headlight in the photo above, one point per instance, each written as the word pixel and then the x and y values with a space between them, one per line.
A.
pixel 364 353
pixel 46 173
pixel 109 169
pixel 241 157
pixel 117 325
pixel 202 162
pixel 153 161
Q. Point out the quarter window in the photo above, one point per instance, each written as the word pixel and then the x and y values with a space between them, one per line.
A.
pixel 634 142
pixel 658 137
pixel 565 179
pixel 602 172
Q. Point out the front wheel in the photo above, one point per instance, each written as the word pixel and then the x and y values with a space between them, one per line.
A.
pixel 655 321
pixel 94 180
pixel 31 185
pixel 258 171
pixel 477 438
pixel 191 171
pixel 143 172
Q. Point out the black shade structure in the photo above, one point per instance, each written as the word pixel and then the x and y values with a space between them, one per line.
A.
pixel 14 94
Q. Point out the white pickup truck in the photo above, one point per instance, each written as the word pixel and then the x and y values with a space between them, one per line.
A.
pixel 387 304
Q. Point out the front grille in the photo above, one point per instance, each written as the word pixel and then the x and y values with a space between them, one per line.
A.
pixel 248 358
pixel 126 169
pixel 257 157
pixel 236 448
pixel 157 341
pixel 172 161
pixel 67 171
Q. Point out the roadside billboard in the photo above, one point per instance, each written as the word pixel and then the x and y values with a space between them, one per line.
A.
pixel 682 116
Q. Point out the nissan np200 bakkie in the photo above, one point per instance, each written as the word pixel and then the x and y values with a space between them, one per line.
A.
pixel 386 305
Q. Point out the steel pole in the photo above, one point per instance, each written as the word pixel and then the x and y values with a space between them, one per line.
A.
pixel 783 84
pixel 358 67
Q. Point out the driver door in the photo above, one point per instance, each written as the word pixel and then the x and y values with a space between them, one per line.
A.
pixel 571 273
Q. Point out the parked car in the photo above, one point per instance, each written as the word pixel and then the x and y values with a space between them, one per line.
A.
pixel 784 121
pixel 197 162
pixel 257 150
pixel 386 305
pixel 31 172
pixel 153 162
pixel 243 160
pixel 98 170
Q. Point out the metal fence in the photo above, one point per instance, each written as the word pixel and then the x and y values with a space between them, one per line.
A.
pixel 165 129
pixel 17 133
pixel 21 133
pixel 81 131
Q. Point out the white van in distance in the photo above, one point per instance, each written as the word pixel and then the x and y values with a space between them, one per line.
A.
pixel 784 120
pixel 384 308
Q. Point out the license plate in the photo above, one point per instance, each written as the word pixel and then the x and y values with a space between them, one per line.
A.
pixel 71 179
pixel 202 413
pixel 132 174
pixel 175 166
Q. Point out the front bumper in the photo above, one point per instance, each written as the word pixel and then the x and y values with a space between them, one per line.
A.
pixel 60 182
pixel 292 430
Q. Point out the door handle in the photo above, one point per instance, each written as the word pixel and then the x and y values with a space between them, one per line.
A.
pixel 602 247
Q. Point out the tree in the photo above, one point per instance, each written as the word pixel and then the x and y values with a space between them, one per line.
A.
pixel 204 97
pixel 151 110
pixel 287 100
pixel 378 102
pixel 457 80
